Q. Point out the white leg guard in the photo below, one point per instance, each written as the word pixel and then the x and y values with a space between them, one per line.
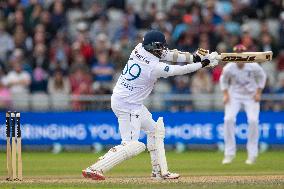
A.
pixel 118 154
pixel 159 143
pixel 153 152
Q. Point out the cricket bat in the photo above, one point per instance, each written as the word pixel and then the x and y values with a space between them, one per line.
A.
pixel 14 152
pixel 246 57
pixel 8 147
pixel 19 147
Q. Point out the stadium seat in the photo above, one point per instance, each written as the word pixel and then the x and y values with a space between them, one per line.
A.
pixel 20 101
pixel 39 102
pixel 202 101
pixel 60 102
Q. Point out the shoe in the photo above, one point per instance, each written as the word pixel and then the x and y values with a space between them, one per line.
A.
pixel 168 176
pixel 228 159
pixel 93 174
pixel 250 160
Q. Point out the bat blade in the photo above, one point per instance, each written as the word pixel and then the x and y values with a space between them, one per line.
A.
pixel 246 57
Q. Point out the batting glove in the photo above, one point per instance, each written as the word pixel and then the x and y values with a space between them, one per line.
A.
pixel 200 55
pixel 213 59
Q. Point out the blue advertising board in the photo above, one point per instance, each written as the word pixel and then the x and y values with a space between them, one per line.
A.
pixel 91 127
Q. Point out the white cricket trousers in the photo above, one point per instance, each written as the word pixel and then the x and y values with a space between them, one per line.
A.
pixel 252 111
pixel 131 122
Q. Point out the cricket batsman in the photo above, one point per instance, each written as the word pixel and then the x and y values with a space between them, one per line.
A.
pixel 242 86
pixel 144 67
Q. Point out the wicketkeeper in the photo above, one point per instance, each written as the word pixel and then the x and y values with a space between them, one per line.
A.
pixel 242 86
pixel 144 67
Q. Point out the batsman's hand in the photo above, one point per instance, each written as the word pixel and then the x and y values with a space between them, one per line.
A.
pixel 200 55
pixel 257 96
pixel 213 60
pixel 226 98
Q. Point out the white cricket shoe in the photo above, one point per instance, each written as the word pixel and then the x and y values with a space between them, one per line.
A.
pixel 228 159
pixel 250 160
pixel 169 175
pixel 93 174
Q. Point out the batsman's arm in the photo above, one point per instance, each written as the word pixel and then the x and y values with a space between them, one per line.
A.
pixel 260 77
pixel 225 78
pixel 224 84
pixel 166 70
pixel 178 56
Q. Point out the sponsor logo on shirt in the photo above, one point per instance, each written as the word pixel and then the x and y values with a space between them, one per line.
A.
pixel 143 58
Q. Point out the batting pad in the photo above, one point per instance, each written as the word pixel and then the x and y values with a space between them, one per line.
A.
pixel 118 154
pixel 161 155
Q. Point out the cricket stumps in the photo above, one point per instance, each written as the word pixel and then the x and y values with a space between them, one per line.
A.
pixel 14 146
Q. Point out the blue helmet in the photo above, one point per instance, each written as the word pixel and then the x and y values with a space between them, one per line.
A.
pixel 154 40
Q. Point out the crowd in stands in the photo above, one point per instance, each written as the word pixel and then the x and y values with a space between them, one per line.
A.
pixel 79 47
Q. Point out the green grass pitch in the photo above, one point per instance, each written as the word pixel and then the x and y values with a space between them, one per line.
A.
pixel 198 169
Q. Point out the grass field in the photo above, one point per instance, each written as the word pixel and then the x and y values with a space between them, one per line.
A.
pixel 197 169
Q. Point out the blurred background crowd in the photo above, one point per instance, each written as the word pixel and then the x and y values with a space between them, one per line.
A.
pixel 50 49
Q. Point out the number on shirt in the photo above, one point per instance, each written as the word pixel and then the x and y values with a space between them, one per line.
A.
pixel 132 72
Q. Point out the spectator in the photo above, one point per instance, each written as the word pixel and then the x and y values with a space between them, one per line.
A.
pixel 17 80
pixel 60 52
pixel 267 105
pixel 84 43
pixel 39 58
pixel 279 105
pixel 58 19
pixel 39 80
pixel 280 62
pixel 5 38
pixel 102 43
pixel 181 86
pixel 125 30
pixel 43 36
pixel 103 70
pixel 81 83
pixel 101 25
pixel 58 84
pixel 201 82
pixel 5 97
pixel 267 44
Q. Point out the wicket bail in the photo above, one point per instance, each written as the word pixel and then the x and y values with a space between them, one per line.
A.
pixel 13 127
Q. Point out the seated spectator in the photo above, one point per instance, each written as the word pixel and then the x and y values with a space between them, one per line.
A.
pixel 58 83
pixel 17 80
pixel 5 38
pixel 102 25
pixel 58 15
pixel 280 88
pixel 280 61
pixel 181 86
pixel 39 58
pixel 18 57
pixel 201 82
pixel 60 52
pixel 102 43
pixel 39 80
pixel 125 30
pixel 267 105
pixel 5 97
pixel 83 42
pixel 103 70
pixel 81 84
pixel 279 105
pixel 267 44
